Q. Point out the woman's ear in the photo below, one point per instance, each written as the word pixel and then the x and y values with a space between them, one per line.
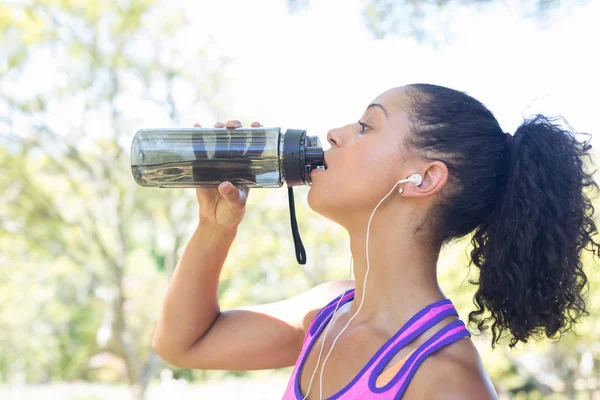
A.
pixel 434 177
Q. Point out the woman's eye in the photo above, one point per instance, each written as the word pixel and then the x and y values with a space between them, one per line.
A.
pixel 363 126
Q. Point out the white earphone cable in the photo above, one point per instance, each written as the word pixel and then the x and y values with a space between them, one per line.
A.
pixel 411 179
pixel 327 329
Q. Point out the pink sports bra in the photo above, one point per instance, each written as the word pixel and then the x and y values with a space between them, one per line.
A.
pixel 372 382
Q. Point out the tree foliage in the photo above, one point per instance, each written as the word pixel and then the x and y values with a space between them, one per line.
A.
pixel 87 246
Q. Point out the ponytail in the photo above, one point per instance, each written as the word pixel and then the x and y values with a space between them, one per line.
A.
pixel 525 199
pixel 528 250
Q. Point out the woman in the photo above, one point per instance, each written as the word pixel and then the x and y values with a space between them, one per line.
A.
pixel 423 166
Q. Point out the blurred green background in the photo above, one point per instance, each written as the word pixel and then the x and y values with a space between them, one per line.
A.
pixel 85 254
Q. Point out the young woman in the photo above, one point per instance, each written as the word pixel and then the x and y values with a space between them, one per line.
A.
pixel 424 165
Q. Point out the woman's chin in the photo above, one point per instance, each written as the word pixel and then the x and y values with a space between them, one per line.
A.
pixel 320 202
pixel 310 198
pixel 315 200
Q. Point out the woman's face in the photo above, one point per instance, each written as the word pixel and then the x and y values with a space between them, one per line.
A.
pixel 364 161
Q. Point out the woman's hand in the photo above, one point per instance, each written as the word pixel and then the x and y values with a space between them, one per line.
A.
pixel 225 205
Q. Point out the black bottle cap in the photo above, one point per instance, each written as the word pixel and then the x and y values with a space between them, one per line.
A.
pixel 294 157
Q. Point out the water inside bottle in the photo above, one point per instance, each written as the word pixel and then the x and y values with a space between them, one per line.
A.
pixel 209 173
pixel 205 157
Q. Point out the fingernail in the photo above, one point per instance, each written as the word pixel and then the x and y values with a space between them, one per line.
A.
pixel 226 189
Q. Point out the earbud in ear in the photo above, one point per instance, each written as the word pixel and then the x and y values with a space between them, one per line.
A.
pixel 415 179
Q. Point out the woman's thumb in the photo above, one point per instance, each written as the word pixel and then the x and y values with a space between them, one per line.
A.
pixel 233 196
pixel 226 189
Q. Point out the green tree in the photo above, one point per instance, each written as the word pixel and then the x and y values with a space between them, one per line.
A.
pixel 88 250
pixel 85 245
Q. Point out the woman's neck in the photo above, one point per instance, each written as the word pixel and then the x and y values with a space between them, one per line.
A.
pixel 401 280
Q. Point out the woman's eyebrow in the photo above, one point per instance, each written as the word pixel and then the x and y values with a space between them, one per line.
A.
pixel 380 106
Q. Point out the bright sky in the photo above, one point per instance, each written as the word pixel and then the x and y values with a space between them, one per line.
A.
pixel 320 68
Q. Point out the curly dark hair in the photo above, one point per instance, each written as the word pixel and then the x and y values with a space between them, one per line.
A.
pixel 524 196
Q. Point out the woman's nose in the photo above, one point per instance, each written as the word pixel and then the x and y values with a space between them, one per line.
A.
pixel 334 137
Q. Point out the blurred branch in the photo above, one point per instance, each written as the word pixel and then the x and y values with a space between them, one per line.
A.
pixel 91 228
pixel 72 152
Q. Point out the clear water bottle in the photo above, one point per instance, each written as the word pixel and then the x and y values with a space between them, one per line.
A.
pixel 205 157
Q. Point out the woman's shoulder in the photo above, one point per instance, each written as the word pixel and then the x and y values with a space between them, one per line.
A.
pixel 453 372
pixel 323 295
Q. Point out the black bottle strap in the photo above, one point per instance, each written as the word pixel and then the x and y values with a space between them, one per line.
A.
pixel 300 253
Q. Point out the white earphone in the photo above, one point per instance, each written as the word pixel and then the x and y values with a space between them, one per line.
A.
pixel 415 179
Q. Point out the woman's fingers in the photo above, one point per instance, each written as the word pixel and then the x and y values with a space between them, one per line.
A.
pixel 233 124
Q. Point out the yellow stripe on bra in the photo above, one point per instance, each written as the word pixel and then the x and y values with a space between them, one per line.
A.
pixel 389 373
